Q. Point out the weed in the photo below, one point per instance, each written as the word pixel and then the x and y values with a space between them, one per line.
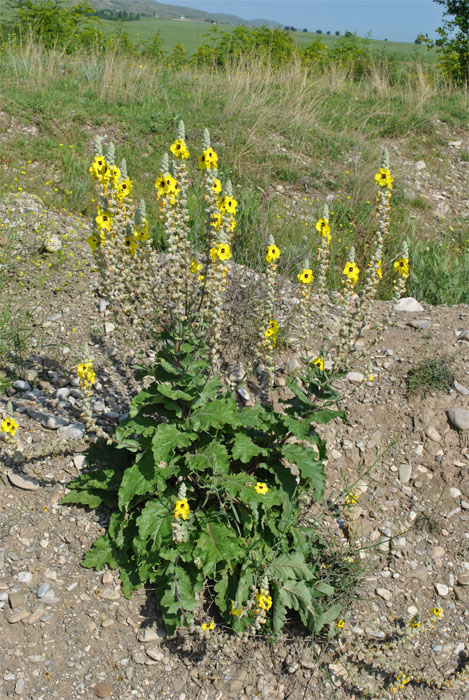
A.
pixel 430 376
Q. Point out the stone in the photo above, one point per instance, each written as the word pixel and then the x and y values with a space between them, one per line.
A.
pixel 236 373
pixel 463 336
pixel 438 552
pixel 454 492
pixel 74 431
pixel 463 580
pixel 16 600
pixel 420 325
pixel 23 482
pixel 460 388
pixel 43 589
pixel 421 574
pixel 52 244
pixel 63 393
pixel 36 615
pixel 155 653
pixel 17 616
pixel 405 472
pixel 19 686
pixel 147 635
pixel 21 385
pixel 432 433
pixel 103 689
pixel 459 418
pixel 409 304
pixel 109 327
pixel 442 589
pixel 80 461
pixel 24 577
pixel 102 305
pixel 110 594
pixel 384 593
pixel 355 377
pixel 245 395
pixel 47 420
pixel 420 165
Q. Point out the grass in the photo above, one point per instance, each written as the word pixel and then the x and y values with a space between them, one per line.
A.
pixel 291 127
pixel 430 376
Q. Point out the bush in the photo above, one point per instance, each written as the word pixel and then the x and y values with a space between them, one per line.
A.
pixel 274 45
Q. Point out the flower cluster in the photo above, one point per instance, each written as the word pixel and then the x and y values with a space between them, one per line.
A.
pixel 181 509
pixel 9 426
pixel 179 149
pixel 208 160
pixel 86 375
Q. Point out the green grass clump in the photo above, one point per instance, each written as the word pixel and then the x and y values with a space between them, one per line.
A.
pixel 430 376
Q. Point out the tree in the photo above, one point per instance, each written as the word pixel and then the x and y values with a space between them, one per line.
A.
pixel 305 30
pixel 318 31
pixel 337 33
pixel 453 42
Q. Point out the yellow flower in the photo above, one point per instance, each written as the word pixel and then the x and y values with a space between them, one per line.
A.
pixel 208 626
pixel 351 271
pixel 273 326
pixel 402 267
pixel 93 241
pixel 98 167
pixel 319 363
pixel 141 234
pixel 216 186
pixel 9 426
pixel 260 487
pixel 160 186
pixel 232 225
pixel 340 624
pixel 415 623
pixel 208 160
pixel 323 227
pixel 131 244
pixel 438 612
pixel 217 221
pixel 235 611
pixel 224 252
pixel 181 508
pixel 115 174
pixel 272 253
pixel 179 149
pixel 227 205
pixel 103 220
pixel 384 178
pixel 379 271
pixel 305 276
pixel 195 267
pixel 264 600
pixel 124 188
pixel 83 368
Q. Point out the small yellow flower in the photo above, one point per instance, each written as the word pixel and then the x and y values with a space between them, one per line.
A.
pixel 227 205
pixel 115 175
pixel 179 149
pixel 141 234
pixel 379 271
pixel 272 253
pixel 260 487
pixel 273 326
pixel 264 600
pixel 195 267
pixel 181 508
pixel 438 612
pixel 415 623
pixel 124 188
pixel 103 220
pixel 217 221
pixel 351 271
pixel 384 178
pixel 130 244
pixel 402 267
pixel 235 611
pixel 305 276
pixel 340 624
pixel 208 160
pixel 324 229
pixel 208 626
pixel 216 186
pixel 9 426
pixel 221 251
pixel 319 363
pixel 93 241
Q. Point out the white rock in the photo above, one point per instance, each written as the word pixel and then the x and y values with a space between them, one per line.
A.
pixel 460 388
pixel 80 461
pixel 405 472
pixel 22 385
pixel 459 418
pixel 384 593
pixel 355 377
pixel 109 327
pixel 431 432
pixel 442 589
pixel 454 492
pixel 71 432
pixel 420 165
pixel 147 635
pixel 23 482
pixel 24 577
pixel 409 304
pixel 52 244
pixel 62 393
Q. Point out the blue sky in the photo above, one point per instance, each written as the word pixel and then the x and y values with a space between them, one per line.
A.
pixel 396 20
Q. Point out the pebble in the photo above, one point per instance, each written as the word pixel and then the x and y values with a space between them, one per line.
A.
pixel 432 433
pixel 442 589
pixel 80 461
pixel 16 600
pixel 103 689
pixel 459 418
pixel 17 616
pixel 75 431
pixel 460 388
pixel 110 594
pixel 454 492
pixel 384 593
pixel 405 472
pixel 355 377
pixel 420 325
pixel 409 304
pixel 22 385
pixel 147 635
pixel 23 482
pixel 155 653
pixel 102 305
pixel 43 589
pixel 19 686
pixel 62 393
pixel 109 327
pixel 420 165
pixel 463 580
pixel 24 577
pixel 243 393
pixel 47 420
pixel 52 244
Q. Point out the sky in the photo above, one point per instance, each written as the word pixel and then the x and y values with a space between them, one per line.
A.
pixel 396 20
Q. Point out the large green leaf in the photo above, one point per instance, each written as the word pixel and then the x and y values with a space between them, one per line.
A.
pixel 306 459
pixel 245 449
pixel 257 417
pixel 328 616
pixel 154 522
pixel 167 437
pixel 217 542
pixel 214 456
pixel 84 498
pixel 288 567
pixel 215 414
pixel 242 486
pixel 100 554
pixel 137 480
pixel 175 394
pixel 324 415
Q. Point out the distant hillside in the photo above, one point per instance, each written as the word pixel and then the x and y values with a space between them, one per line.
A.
pixel 158 9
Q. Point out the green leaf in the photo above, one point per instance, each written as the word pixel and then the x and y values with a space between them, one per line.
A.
pixel 154 522
pixel 100 554
pixel 324 415
pixel 214 456
pixel 242 486
pixel 289 566
pixel 175 394
pixel 306 459
pixel 257 417
pixel 323 588
pixel 217 542
pixel 245 449
pixel 214 414
pixel 137 480
pixel 166 439
pixel 84 498
pixel 328 616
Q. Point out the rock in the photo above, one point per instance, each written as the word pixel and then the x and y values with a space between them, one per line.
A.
pixel 80 461
pixel 463 580
pixel 110 594
pixel 384 593
pixel 405 472
pixel 43 589
pixel 460 388
pixel 409 304
pixel 432 433
pixel 52 244
pixel 21 385
pixel 102 305
pixel 62 394
pixel 465 505
pixel 24 577
pixel 454 492
pixel 47 420
pixel 107 578
pixel 420 325
pixel 109 327
pixel 19 686
pixel 459 418
pixel 16 600
pixel 103 689
pixel 355 377
pixel 442 589
pixel 23 482
pixel 147 635
pixel 245 395
pixel 438 552
pixel 463 336
pixel 74 431
pixel 17 616
pixel 236 373
pixel 155 653
pixel 420 165
pixel 49 598
pixel 421 574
